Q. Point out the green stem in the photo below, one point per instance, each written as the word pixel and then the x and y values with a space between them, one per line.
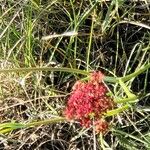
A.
pixel 90 43
pixel 87 13
pixel 136 73
pixel 78 71
pixel 116 111
pixel 7 127
pixel 34 69
pixel 45 122
pixel 101 140
pixel 11 125
pixel 3 131
pixel 125 100
pixel 111 79
pixel 126 90
pixel 127 77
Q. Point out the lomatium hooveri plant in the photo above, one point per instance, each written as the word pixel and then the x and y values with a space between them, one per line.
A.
pixel 89 102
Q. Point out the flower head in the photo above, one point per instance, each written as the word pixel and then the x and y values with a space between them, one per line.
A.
pixel 96 76
pixel 101 126
pixel 88 100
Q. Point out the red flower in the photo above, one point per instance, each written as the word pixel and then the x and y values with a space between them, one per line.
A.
pixel 101 126
pixel 96 76
pixel 88 100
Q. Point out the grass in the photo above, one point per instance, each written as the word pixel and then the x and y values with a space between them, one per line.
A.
pixel 47 45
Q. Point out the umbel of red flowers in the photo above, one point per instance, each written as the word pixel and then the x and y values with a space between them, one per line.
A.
pixel 88 102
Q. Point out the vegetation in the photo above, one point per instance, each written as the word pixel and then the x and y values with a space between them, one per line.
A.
pixel 48 45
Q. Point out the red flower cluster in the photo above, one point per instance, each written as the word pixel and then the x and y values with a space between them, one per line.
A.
pixel 101 126
pixel 89 101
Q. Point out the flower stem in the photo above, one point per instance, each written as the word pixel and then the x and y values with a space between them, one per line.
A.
pixel 127 77
pixel 78 71
pixel 116 111
pixel 10 126
pixel 45 122
pixel 34 69
pixel 111 79
pixel 126 90
pixel 125 100
pixel 136 73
